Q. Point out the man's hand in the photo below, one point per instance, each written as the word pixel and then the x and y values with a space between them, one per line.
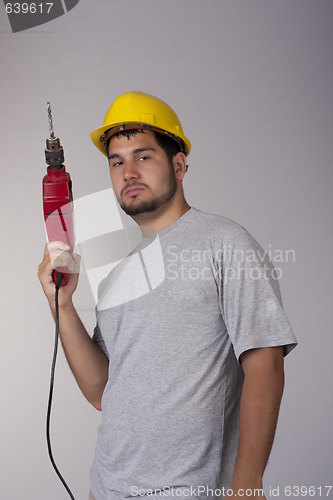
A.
pixel 57 254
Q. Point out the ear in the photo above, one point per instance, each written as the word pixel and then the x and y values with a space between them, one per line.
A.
pixel 179 165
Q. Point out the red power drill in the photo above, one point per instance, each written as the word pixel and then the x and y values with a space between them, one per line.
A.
pixel 57 197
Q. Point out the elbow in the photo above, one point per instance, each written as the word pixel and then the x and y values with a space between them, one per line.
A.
pixel 96 404
pixel 95 399
pixel 94 393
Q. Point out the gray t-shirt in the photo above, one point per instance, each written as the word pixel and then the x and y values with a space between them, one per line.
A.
pixel 174 318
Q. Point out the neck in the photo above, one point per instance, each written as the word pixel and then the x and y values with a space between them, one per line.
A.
pixel 165 216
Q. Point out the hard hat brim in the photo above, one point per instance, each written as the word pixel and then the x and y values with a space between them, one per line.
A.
pixel 98 135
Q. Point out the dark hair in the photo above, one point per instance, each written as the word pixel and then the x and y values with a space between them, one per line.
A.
pixel 170 146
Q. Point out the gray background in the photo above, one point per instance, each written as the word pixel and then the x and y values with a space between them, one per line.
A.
pixel 251 81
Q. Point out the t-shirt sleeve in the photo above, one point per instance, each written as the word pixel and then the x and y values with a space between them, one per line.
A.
pixel 97 335
pixel 98 339
pixel 250 298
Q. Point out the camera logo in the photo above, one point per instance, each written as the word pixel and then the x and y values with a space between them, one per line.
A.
pixel 26 15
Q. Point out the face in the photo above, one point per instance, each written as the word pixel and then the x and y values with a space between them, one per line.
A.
pixel 141 175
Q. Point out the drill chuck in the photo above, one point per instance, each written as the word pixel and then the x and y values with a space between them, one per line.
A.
pixel 54 153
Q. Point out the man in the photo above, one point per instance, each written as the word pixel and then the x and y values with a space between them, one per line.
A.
pixel 186 361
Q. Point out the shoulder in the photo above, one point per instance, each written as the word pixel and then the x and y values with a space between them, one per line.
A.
pixel 217 227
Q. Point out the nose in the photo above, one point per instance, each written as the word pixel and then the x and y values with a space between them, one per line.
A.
pixel 130 171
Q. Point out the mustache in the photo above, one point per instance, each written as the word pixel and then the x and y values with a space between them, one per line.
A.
pixel 130 185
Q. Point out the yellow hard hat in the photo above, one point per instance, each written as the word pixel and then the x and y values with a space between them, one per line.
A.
pixel 135 110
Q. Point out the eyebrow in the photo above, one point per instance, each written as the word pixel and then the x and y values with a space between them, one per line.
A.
pixel 135 151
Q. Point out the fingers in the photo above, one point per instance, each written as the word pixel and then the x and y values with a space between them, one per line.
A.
pixel 58 254
pixel 77 261
pixel 59 258
pixel 56 245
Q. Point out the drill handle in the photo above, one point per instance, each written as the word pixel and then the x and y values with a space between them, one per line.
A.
pixel 64 272
pixel 58 211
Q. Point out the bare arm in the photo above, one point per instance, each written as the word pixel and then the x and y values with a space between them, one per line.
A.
pixel 260 403
pixel 86 360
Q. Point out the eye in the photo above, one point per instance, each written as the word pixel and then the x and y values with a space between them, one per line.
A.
pixel 144 157
pixel 116 163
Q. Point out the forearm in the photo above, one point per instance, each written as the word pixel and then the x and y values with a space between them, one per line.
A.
pixel 260 402
pixel 86 360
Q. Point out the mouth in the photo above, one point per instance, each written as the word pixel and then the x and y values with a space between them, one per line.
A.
pixel 133 191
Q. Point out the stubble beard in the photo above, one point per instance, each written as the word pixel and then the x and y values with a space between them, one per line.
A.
pixel 148 206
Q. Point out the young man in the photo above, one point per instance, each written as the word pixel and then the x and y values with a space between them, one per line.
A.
pixel 186 361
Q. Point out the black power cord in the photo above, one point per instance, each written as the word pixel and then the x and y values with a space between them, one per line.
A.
pixel 48 417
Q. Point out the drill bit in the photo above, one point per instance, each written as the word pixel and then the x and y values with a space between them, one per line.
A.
pixel 54 153
pixel 50 120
